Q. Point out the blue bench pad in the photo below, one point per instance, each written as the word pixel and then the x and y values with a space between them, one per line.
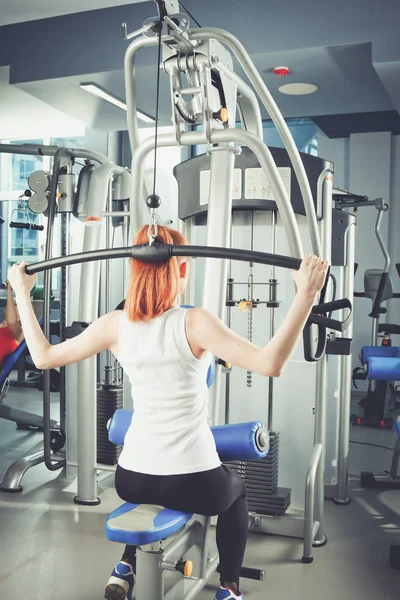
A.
pixel 141 524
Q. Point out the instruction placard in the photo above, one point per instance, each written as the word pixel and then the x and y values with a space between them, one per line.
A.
pixel 258 187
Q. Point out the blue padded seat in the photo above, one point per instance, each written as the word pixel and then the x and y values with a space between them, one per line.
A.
pixel 141 524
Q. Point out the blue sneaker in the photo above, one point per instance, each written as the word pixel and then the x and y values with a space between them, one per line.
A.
pixel 121 582
pixel 227 594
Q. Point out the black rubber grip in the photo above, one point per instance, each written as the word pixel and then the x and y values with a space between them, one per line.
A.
pixel 16 225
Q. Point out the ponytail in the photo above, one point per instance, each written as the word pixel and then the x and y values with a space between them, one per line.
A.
pixel 153 287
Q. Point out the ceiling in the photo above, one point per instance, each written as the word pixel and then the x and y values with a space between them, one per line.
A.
pixel 20 11
pixel 351 53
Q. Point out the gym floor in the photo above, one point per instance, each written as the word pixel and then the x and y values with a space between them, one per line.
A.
pixel 53 549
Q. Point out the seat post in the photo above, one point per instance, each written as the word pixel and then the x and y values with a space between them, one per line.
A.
pixel 394 467
pixel 150 577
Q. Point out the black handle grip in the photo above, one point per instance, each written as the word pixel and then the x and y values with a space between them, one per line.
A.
pixel 378 298
pixel 17 225
pixel 318 317
pixel 37 227
pixel 321 309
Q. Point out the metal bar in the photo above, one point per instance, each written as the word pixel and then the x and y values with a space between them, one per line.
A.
pixel 219 137
pixel 150 584
pixel 219 220
pixel 322 366
pixel 355 204
pixel 65 250
pixel 41 150
pixel 342 496
pixel 117 213
pixel 12 479
pixel 108 268
pixel 315 461
pixel 88 312
pixel 130 92
pixel 58 156
pixel 229 324
pixel 137 252
pixel 9 413
pixel 256 80
pixel 271 326
pixel 382 282
pixel 289 525
pixel 98 466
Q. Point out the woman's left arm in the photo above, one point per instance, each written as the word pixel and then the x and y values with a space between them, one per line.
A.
pixel 100 335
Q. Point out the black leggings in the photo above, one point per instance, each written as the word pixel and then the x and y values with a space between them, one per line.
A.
pixel 219 492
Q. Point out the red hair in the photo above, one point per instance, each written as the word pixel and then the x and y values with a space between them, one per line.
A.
pixel 153 287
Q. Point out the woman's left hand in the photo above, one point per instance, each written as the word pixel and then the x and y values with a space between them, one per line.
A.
pixel 19 280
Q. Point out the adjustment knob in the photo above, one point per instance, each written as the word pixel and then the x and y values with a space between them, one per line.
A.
pixel 153 201
pixel 221 115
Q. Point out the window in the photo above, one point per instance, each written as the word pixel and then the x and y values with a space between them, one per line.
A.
pixel 304 132
pixel 15 169
pixel 23 242
pixel 28 244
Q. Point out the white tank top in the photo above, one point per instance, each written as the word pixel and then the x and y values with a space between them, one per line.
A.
pixel 169 433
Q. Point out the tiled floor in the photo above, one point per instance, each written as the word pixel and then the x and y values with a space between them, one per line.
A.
pixel 51 549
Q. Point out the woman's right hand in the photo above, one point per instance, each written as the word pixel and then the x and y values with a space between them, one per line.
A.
pixel 311 276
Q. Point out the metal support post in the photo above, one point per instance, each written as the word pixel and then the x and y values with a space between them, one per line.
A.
pixel 149 584
pixel 322 372
pixel 219 223
pixel 342 496
pixel 310 526
pixel 88 312
pixel 272 296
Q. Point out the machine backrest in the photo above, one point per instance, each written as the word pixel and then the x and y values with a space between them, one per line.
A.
pixel 372 278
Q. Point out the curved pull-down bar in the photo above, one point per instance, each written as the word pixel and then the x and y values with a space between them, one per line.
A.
pixel 163 252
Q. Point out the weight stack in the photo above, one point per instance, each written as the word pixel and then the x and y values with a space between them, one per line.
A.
pixel 264 496
pixel 109 399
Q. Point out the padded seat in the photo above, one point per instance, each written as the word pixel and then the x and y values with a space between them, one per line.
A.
pixel 389 328
pixel 141 524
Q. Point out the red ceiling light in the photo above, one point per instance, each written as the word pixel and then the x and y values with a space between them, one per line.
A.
pixel 281 71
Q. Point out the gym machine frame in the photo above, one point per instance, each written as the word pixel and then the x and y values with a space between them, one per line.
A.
pixel 184 52
pixel 98 188
pixel 376 389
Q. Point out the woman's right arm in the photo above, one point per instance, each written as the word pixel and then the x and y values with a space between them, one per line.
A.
pixel 207 332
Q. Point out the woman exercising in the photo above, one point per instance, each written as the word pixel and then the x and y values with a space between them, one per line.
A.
pixel 169 456
pixel 11 334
